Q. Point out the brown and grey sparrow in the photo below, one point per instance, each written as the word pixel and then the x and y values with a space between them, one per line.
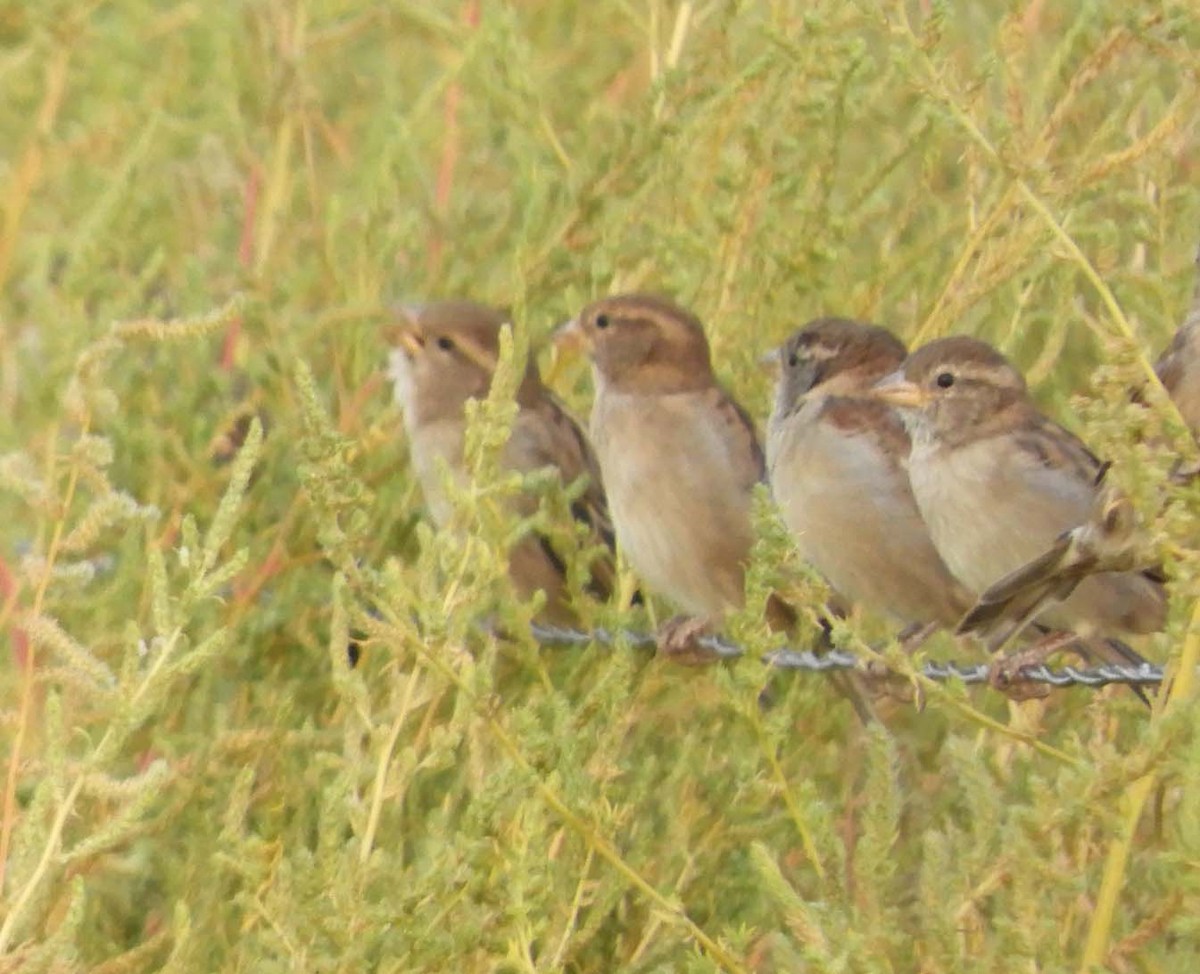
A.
pixel 999 485
pixel 678 455
pixel 837 460
pixel 1106 541
pixel 444 354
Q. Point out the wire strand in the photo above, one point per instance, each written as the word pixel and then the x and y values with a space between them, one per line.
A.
pixel 1144 674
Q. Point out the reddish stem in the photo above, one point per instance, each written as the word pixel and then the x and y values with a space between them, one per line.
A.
pixel 245 259
pixel 445 175
pixel 8 597
pixel 273 564
pixel 352 411
pixel 23 656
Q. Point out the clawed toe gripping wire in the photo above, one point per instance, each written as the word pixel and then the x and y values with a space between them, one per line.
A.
pixel 1144 674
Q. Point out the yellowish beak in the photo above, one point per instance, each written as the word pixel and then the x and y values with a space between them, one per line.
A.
pixel 404 329
pixel 897 391
pixel 408 339
pixel 768 362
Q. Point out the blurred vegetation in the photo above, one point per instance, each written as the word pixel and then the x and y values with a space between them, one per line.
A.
pixel 194 778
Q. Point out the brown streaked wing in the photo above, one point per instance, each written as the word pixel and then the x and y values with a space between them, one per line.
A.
pixel 1170 366
pixel 1056 448
pixel 745 450
pixel 570 451
pixel 868 417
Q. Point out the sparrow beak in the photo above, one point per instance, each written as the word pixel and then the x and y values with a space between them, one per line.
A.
pixel 769 362
pixel 404 330
pixel 896 390
pixel 569 336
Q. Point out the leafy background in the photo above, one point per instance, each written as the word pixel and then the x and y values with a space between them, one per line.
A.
pixel 194 778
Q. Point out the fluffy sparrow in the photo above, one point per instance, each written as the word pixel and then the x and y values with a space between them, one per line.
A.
pixel 446 353
pixel 1106 540
pixel 678 455
pixel 837 460
pixel 999 484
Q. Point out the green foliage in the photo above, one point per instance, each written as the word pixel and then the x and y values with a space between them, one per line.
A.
pixel 194 776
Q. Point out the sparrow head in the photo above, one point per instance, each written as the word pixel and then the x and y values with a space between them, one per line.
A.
pixel 834 355
pixel 954 386
pixel 642 343
pixel 444 353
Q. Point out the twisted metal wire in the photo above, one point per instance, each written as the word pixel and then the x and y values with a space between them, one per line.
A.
pixel 1144 674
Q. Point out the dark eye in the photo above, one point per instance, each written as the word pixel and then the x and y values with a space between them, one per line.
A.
pixel 445 344
pixel 945 380
pixel 601 321
pixel 793 360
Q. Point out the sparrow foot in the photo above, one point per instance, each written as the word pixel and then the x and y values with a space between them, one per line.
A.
pixel 913 637
pixel 1005 673
pixel 679 641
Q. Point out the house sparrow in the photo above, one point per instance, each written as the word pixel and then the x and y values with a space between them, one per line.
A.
pixel 999 484
pixel 837 460
pixel 678 455
pixel 1106 540
pixel 444 354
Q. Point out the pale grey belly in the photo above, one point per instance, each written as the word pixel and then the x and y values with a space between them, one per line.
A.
pixel 974 523
pixel 682 519
pixel 688 546
pixel 434 450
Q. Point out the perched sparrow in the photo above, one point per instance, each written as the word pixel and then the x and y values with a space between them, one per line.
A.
pixel 446 353
pixel 999 485
pixel 838 459
pixel 678 455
